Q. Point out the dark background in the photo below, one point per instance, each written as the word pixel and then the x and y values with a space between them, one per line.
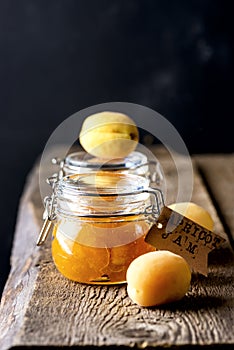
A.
pixel 60 56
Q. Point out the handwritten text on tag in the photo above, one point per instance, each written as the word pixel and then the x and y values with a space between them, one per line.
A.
pixel 182 236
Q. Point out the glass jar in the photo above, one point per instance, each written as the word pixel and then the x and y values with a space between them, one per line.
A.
pixel 100 222
pixel 135 163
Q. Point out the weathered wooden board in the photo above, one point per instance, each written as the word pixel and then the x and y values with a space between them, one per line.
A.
pixel 41 308
pixel 218 173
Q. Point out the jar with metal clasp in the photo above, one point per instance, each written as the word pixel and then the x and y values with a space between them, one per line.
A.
pixel 99 221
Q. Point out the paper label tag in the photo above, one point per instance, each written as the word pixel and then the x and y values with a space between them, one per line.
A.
pixel 182 236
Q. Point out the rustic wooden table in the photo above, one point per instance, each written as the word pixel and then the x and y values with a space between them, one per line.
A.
pixel 41 308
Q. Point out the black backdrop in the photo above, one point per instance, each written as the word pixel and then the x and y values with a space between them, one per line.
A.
pixel 60 56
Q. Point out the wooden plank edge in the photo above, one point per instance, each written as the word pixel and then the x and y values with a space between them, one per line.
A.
pixel 206 165
pixel 15 297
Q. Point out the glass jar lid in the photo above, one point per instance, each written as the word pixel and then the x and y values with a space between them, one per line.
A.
pixel 83 161
pixel 103 183
pixel 137 163
pixel 104 194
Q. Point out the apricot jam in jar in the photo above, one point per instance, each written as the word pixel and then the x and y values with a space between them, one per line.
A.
pixel 101 222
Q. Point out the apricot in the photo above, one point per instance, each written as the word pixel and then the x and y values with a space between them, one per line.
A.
pixel 195 213
pixel 109 135
pixel 157 278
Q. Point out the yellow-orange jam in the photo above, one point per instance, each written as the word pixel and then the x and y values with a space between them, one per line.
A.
pixel 101 222
pixel 90 261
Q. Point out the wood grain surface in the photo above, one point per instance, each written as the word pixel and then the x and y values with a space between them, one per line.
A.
pixel 40 307
pixel 218 174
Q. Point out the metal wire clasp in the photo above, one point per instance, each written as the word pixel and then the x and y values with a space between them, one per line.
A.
pixel 154 173
pixel 49 213
pixel 155 208
pixel 60 162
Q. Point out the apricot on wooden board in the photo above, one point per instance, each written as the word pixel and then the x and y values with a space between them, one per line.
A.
pixel 195 213
pixel 157 278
